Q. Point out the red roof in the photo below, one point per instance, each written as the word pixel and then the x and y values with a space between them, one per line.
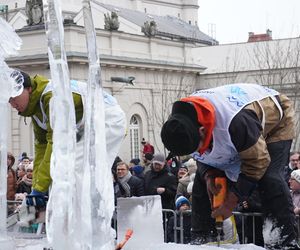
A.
pixel 259 37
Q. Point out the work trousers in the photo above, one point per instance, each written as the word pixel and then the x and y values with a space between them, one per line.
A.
pixel 274 192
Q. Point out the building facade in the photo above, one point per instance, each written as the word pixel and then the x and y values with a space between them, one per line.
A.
pixel 174 62
pixel 163 65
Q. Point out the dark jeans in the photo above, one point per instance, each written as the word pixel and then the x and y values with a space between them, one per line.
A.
pixel 274 193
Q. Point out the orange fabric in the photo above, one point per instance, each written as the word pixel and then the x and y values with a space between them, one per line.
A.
pixel 206 117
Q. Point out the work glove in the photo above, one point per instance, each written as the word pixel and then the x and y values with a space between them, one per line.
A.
pixel 209 177
pixel 225 210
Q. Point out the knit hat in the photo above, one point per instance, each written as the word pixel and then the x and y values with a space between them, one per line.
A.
pixel 183 166
pixel 149 156
pixel 296 175
pixel 159 158
pixel 135 161
pixel 180 201
pixel 138 169
pixel 21 80
pixel 180 133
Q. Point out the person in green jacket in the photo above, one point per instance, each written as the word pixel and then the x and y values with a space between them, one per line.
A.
pixel 32 99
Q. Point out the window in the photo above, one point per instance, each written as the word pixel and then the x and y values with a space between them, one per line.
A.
pixel 134 133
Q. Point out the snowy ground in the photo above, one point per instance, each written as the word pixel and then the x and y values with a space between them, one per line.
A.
pixel 30 244
pixel 171 246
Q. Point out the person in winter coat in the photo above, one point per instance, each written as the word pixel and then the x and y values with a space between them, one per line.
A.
pixel 185 180
pixel 293 165
pixel 11 177
pixel 158 181
pixel 126 184
pixel 138 171
pixel 147 147
pixel 295 190
pixel 242 132
pixel 182 205
pixel 33 98
pixel 25 183
pixel 147 158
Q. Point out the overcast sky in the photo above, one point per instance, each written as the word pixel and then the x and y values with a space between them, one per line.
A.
pixel 233 19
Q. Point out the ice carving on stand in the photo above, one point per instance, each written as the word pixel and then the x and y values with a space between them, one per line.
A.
pixel 97 194
pixel 60 218
pixel 144 216
pixel 9 44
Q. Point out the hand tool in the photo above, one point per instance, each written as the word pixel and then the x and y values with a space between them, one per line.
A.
pixel 218 201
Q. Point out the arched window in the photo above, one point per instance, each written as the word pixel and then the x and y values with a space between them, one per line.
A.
pixel 134 132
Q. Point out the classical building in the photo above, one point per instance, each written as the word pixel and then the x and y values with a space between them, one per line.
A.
pixel 159 44
pixel 134 40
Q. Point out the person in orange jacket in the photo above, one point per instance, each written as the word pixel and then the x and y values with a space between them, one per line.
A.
pixel 243 132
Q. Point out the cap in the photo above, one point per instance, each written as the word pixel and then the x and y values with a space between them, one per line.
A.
pixel 159 158
pixel 180 133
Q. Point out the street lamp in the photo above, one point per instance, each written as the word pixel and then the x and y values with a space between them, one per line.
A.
pixel 128 80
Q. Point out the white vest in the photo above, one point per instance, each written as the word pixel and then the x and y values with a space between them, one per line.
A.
pixel 78 88
pixel 228 100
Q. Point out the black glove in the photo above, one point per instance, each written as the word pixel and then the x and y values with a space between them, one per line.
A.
pixel 244 187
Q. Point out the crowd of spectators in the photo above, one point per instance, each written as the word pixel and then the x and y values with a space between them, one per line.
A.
pixel 154 174
pixel 19 179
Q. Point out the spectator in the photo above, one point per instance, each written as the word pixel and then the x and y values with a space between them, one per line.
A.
pixel 127 185
pixel 11 177
pixel 147 162
pixel 158 181
pixel 147 147
pixel 25 182
pixel 182 172
pixel 295 190
pixel 293 165
pixel 294 160
pixel 138 171
pixel 20 173
pixel 114 166
pixel 133 162
pixel 25 160
pixel 183 182
pixel 11 182
pixel 182 205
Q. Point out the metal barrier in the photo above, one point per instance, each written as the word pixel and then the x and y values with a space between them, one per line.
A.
pixel 244 237
pixel 179 227
pixel 244 216
pixel 176 228
pixel 168 213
